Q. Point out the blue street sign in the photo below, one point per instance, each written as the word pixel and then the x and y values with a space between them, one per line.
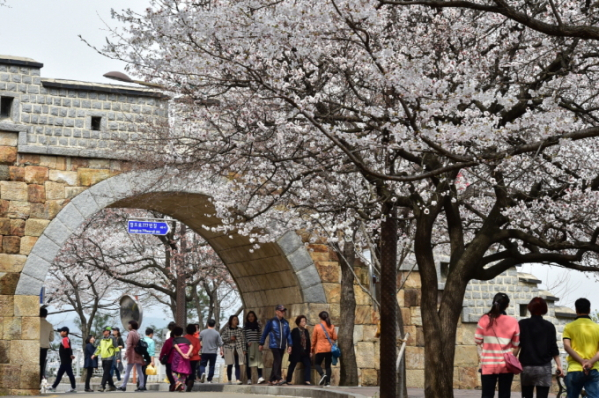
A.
pixel 148 227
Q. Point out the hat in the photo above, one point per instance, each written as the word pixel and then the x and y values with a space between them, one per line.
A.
pixel 107 328
pixel 117 329
pixel 280 307
pixel 64 329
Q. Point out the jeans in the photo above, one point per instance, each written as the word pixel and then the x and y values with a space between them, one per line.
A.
pixel 170 377
pixel 68 369
pixel 305 359
pixel 575 381
pixel 115 369
pixel 528 391
pixel 140 375
pixel 277 355
pixel 504 382
pixel 43 356
pixel 208 358
pixel 106 376
pixel 237 370
pixel 328 358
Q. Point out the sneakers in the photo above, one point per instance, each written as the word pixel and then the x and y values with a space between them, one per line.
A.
pixel 112 388
pixel 209 382
pixel 261 380
pixel 71 390
pixel 323 380
pixel 230 382
pixel 52 389
pixel 140 389
pixel 203 378
pixel 121 389
pixel 89 390
pixel 238 382
pixel 249 382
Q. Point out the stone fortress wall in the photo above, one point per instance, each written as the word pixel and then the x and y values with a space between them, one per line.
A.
pixel 60 140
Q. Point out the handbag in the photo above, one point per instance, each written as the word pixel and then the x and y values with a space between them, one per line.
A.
pixel 151 371
pixel 335 350
pixel 512 363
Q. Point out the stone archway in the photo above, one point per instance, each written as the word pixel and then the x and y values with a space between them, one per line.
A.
pixel 278 272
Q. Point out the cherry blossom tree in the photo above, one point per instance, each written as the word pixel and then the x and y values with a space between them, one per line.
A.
pixel 456 128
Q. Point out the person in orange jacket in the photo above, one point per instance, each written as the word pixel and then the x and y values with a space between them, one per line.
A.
pixel 323 337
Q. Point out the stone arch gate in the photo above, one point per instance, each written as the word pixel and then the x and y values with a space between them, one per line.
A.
pixel 61 161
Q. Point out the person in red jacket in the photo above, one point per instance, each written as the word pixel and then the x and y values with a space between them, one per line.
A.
pixel 194 359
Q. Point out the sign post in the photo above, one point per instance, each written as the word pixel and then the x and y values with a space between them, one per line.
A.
pixel 148 227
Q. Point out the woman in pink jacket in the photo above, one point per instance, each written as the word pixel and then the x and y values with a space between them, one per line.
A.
pixel 497 334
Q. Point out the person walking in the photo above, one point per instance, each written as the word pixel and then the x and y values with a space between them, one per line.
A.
pixel 132 357
pixel 252 331
pixel 182 349
pixel 581 342
pixel 194 359
pixel 107 351
pixel 211 342
pixel 323 337
pixel 46 337
pixel 234 347
pixel 538 345
pixel 497 334
pixel 117 364
pixel 65 352
pixel 279 336
pixel 149 339
pixel 90 363
pixel 301 350
pixel 166 356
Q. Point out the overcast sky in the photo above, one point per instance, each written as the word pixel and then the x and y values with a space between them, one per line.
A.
pixel 48 30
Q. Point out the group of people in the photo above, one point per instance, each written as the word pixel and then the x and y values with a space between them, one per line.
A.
pixel 534 342
pixel 194 354
pixel 189 354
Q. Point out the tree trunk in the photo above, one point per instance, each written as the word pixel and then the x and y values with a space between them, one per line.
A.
pixel 349 367
pixel 402 389
pixel 388 349
pixel 181 313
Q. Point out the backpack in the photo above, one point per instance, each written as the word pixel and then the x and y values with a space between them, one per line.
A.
pixel 141 347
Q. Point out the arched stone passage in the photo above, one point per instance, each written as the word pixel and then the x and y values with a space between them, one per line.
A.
pixel 278 272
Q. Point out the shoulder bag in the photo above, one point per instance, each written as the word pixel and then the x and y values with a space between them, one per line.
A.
pixel 334 347
pixel 512 363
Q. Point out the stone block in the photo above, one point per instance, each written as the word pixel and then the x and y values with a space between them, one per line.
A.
pixel 4 348
pixel 465 333
pixel 412 297
pixel 12 328
pixel 12 262
pixel 415 378
pixel 8 139
pixel 362 298
pixel 8 282
pixel 468 377
pixel 27 243
pixel 55 190
pixel 35 174
pixel 26 158
pixel 18 209
pixel 37 193
pixel 71 192
pixel 466 356
pixel 5 226
pixel 365 355
pixel 53 207
pixel 30 376
pixel 370 333
pixel 35 227
pixel 11 244
pixel 26 305
pixel 12 190
pixel 406 316
pixel 8 154
pixel 4 172
pixel 10 375
pixel 53 162
pixel 333 292
pixel 17 227
pixel 66 177
pixel 363 315
pixel 416 316
pixel 30 328
pixel 414 357
pixel 413 281
pixel 89 177
pixel 7 305
pixel 370 377
pixel 401 298
pixel 358 334
pixel 329 271
pixel 16 173
pixel 21 352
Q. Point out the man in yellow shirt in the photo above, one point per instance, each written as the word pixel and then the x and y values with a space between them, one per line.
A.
pixel 581 342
